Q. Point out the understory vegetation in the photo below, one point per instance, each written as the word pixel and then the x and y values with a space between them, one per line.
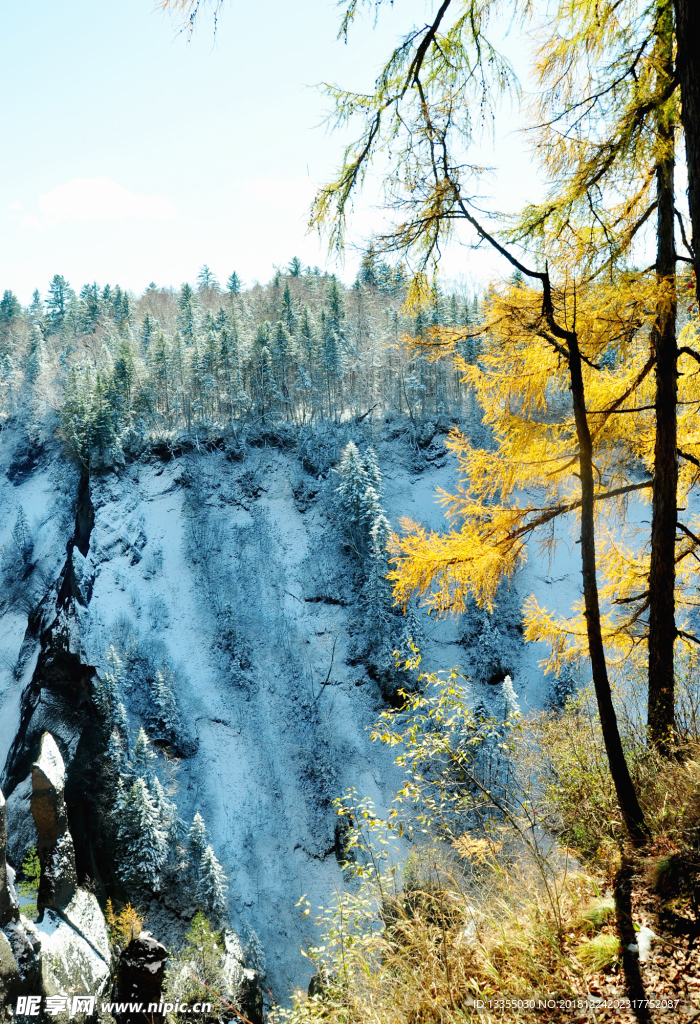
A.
pixel 517 879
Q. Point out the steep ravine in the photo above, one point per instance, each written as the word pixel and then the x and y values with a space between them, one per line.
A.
pixel 230 575
pixel 59 698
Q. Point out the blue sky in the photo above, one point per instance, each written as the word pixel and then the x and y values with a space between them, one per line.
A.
pixel 131 155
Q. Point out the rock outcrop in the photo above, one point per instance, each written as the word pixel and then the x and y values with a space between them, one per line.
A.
pixel 244 984
pixel 9 906
pixel 21 833
pixel 10 974
pixel 66 952
pixel 140 977
pixel 55 844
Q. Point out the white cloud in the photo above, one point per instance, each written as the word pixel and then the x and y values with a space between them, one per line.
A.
pixel 85 200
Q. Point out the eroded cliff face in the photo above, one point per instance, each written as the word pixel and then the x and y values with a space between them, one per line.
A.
pixel 67 949
pixel 225 571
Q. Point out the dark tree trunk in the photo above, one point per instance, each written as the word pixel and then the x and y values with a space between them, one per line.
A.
pixel 626 795
pixel 662 573
pixel 688 70
pixel 632 813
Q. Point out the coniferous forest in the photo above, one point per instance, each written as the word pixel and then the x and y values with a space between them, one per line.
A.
pixel 122 371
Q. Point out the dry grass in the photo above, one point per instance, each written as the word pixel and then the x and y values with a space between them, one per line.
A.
pixel 486 932
pixel 576 794
pixel 519 905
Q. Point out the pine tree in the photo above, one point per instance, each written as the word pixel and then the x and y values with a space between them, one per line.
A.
pixel 295 267
pixel 22 537
pixel 352 488
pixel 167 812
pixel 160 375
pixel 36 311
pixel 144 758
pixel 289 317
pixel 119 307
pixel 90 306
pixel 234 284
pixel 186 317
pixel 115 764
pixel 103 423
pixel 10 313
pixel 229 360
pixel 368 269
pixel 197 842
pixel 148 327
pixel 123 382
pixel 254 954
pixel 309 355
pixel 197 382
pixel 377 596
pixel 178 372
pixel 454 318
pixel 35 355
pixel 57 302
pixel 142 843
pixel 108 697
pixel 76 415
pixel 211 887
pixel 264 378
pixel 332 363
pixel 374 475
pixel 206 279
pixel 360 491
pixel 281 351
pixel 165 714
pixel 511 708
pixel 8 382
pixel 373 515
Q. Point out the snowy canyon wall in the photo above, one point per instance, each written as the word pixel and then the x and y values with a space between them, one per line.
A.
pixel 219 577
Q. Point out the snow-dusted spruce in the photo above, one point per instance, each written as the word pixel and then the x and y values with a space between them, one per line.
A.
pixel 144 758
pixel 166 714
pixel 255 955
pixel 377 592
pixel 142 842
pixel 22 537
pixel 167 812
pixel 368 528
pixel 211 887
pixel 108 694
pixel 511 708
pixel 109 703
pixel 205 877
pixel 359 490
pixel 197 841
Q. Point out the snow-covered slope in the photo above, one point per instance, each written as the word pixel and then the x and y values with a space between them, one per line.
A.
pixel 229 577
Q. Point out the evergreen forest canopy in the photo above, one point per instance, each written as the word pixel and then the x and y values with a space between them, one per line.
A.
pixel 121 371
